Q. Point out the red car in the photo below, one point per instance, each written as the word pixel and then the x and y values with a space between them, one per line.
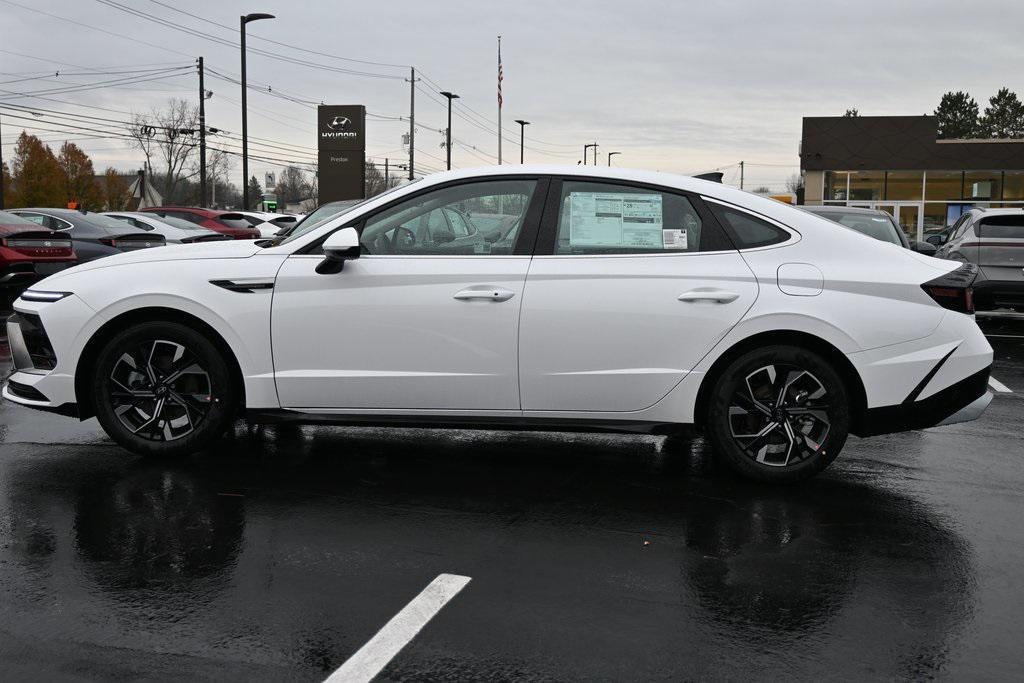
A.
pixel 234 225
pixel 30 252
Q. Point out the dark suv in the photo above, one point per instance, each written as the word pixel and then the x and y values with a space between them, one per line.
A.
pixel 233 225
pixel 993 239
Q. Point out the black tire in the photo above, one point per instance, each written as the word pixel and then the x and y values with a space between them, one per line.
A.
pixel 779 414
pixel 185 369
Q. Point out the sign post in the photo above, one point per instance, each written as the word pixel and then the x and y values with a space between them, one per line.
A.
pixel 341 147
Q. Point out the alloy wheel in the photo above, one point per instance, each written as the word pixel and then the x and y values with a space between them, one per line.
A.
pixel 779 415
pixel 160 391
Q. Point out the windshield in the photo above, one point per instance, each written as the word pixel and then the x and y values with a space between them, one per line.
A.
pixel 879 225
pixel 328 211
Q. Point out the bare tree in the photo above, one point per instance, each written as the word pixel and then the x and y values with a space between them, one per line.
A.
pixel 168 135
pixel 218 166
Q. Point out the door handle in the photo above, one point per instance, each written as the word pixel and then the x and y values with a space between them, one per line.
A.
pixel 489 293
pixel 718 296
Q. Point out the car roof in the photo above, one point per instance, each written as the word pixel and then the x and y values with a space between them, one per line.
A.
pixel 997 211
pixel 832 208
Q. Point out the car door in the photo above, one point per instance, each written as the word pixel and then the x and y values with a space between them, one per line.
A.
pixel 629 288
pixel 409 325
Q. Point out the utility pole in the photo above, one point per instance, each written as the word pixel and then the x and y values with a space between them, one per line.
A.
pixel 501 77
pixel 448 131
pixel 741 175
pixel 412 121
pixel 522 136
pixel 1 169
pixel 202 137
pixel 387 178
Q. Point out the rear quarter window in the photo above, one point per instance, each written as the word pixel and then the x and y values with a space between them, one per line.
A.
pixel 747 231
pixel 234 222
pixel 1003 227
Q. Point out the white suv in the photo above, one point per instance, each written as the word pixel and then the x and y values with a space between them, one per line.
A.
pixel 520 297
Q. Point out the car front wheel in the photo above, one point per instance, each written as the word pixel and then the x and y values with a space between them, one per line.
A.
pixel 779 413
pixel 163 389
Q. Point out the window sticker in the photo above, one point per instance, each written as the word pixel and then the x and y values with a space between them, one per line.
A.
pixel 605 219
pixel 673 239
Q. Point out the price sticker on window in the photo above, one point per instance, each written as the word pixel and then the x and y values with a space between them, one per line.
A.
pixel 673 239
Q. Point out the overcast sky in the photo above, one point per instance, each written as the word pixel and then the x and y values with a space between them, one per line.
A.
pixel 675 86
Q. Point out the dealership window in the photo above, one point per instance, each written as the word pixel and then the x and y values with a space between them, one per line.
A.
pixel 904 185
pixel 866 185
pixel 943 185
pixel 983 186
pixel 835 186
pixel 1013 186
pixel 937 215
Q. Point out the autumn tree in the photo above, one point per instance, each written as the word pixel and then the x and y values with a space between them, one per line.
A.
pixel 36 175
pixel 167 137
pixel 1004 117
pixel 115 190
pixel 79 178
pixel 957 116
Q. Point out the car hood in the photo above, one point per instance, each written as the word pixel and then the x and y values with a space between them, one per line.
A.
pixel 203 250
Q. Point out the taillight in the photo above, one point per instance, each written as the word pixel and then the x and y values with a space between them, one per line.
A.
pixel 954 290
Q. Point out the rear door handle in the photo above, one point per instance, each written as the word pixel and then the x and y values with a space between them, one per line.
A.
pixel 718 296
pixel 484 292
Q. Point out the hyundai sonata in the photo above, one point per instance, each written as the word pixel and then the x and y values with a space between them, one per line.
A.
pixel 617 300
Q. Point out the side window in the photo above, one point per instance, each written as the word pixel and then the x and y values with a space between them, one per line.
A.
pixel 748 231
pixel 960 231
pixel 602 218
pixel 34 217
pixel 427 224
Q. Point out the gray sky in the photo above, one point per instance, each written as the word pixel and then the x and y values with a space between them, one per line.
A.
pixel 675 86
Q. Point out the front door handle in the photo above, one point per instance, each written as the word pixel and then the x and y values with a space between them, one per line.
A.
pixel 484 292
pixel 718 296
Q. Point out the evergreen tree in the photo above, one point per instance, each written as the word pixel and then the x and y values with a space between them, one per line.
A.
pixel 255 191
pixel 1004 117
pixel 957 116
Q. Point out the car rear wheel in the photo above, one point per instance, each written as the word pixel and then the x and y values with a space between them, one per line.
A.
pixel 163 389
pixel 780 414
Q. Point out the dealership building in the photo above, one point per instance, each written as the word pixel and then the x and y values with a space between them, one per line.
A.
pixel 897 163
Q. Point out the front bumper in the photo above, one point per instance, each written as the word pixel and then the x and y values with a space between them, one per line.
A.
pixel 960 402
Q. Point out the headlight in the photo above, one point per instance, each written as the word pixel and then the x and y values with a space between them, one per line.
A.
pixel 37 295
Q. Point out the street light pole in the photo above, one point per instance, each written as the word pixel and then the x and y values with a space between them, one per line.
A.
pixel 522 136
pixel 610 157
pixel 243 20
pixel 448 131
pixel 585 148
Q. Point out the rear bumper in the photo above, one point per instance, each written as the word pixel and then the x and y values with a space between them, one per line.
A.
pixel 960 402
pixel 989 294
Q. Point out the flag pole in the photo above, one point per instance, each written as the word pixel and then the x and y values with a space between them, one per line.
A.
pixel 501 77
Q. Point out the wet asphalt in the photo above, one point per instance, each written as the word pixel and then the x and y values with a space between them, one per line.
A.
pixel 592 557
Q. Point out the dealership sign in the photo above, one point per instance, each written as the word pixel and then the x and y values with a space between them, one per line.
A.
pixel 341 148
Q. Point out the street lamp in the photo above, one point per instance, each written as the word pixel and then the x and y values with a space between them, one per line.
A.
pixel 243 20
pixel 522 129
pixel 448 131
pixel 610 157
pixel 585 148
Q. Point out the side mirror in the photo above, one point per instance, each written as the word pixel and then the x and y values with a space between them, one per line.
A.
pixel 925 248
pixel 340 246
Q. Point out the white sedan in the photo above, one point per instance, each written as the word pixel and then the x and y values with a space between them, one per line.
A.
pixel 618 300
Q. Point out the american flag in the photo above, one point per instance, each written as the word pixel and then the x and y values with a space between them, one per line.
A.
pixel 501 74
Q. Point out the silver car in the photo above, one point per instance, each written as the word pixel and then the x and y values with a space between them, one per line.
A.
pixel 174 230
pixel 993 239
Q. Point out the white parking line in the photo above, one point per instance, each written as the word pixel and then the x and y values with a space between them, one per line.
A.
pixel 371 658
pixel 999 386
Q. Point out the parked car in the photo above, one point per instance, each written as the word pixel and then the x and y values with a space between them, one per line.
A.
pixel 93 234
pixel 230 223
pixel 871 222
pixel 622 301
pixel 30 252
pixel 992 239
pixel 174 230
pixel 319 215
